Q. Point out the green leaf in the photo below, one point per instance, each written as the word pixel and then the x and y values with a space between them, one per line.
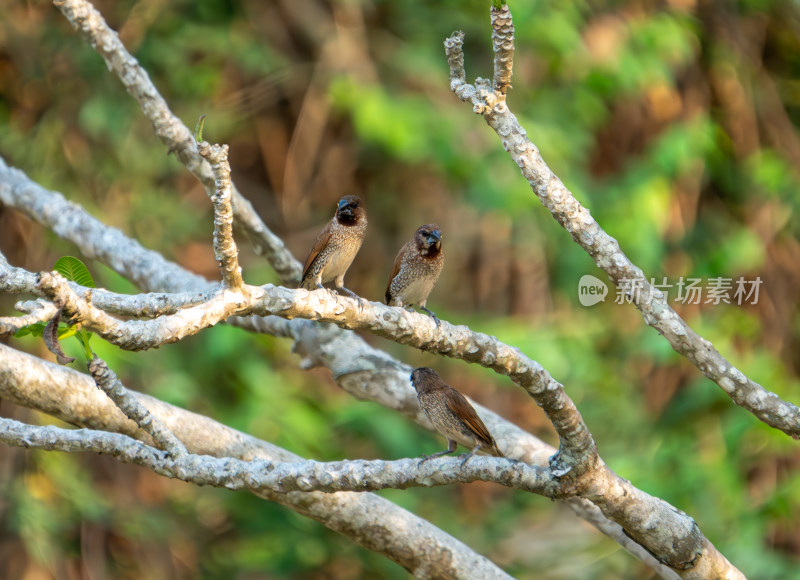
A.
pixel 34 329
pixel 75 271
pixel 66 332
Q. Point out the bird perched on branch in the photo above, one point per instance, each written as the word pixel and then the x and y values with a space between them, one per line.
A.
pixel 451 415
pixel 336 246
pixel 416 269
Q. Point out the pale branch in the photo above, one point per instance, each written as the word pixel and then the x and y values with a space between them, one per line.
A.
pixel 606 253
pixel 260 475
pixel 108 382
pixel 15 280
pixel 577 451
pixel 85 19
pixel 145 268
pixel 144 334
pixel 314 337
pixel 225 249
pixel 680 543
pixel 38 311
pixel 677 540
pixel 367 519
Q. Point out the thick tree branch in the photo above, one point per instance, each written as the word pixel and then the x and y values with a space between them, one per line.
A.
pixel 85 19
pixel 606 253
pixel 320 344
pixel 367 519
pixel 577 449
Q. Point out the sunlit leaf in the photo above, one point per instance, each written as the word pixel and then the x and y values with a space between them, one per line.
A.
pixel 74 270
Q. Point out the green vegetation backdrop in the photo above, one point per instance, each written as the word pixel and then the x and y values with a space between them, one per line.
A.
pixel 675 122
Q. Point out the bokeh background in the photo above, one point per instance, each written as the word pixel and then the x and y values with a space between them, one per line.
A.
pixel 674 122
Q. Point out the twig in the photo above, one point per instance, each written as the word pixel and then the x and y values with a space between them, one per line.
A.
pixel 503 44
pixel 107 381
pixel 85 19
pixel 225 248
pixel 39 311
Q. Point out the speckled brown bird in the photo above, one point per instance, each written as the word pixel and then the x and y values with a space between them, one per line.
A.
pixel 336 246
pixel 416 269
pixel 451 415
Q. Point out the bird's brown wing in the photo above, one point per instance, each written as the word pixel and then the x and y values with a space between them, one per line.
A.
pixel 461 407
pixel 398 261
pixel 322 240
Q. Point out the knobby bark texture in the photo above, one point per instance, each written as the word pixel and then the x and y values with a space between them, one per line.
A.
pixel 91 25
pixel 577 464
pixel 603 248
pixel 367 519
pixel 579 470
pixel 365 372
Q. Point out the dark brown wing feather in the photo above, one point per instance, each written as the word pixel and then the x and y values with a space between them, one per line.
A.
pixel 395 271
pixel 322 240
pixel 461 407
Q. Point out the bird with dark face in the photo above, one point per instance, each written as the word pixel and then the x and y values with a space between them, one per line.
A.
pixel 336 246
pixel 416 269
pixel 451 415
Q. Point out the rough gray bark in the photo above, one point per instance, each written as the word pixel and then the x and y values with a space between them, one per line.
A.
pixel 367 519
pixel 576 471
pixel 604 249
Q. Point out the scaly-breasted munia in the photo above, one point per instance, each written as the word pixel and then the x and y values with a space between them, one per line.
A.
pixel 451 415
pixel 336 246
pixel 416 269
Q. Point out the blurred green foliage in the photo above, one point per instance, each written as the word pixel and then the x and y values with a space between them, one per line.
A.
pixel 675 123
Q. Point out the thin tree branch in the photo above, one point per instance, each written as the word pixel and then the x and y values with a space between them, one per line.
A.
pixel 108 382
pixel 38 311
pixel 15 280
pixel 225 249
pixel 87 21
pixel 283 477
pixel 606 253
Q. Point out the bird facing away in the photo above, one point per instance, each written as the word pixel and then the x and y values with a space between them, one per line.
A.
pixel 416 269
pixel 336 246
pixel 451 415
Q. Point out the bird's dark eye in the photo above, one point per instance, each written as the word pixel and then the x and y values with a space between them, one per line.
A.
pixel 425 233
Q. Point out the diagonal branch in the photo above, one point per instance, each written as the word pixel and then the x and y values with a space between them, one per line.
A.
pixel 85 19
pixel 605 250
pixel 107 381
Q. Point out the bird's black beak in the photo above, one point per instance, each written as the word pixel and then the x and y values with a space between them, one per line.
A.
pixel 345 208
pixel 434 238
